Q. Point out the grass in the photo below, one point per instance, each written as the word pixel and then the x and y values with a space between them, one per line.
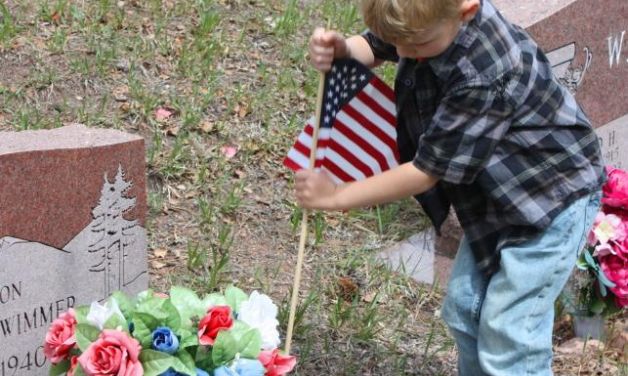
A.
pixel 233 74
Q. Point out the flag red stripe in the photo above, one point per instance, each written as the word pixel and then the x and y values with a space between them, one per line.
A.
pixel 294 166
pixel 374 129
pixel 351 158
pixel 377 108
pixel 298 146
pixel 363 144
pixel 383 88
pixel 340 173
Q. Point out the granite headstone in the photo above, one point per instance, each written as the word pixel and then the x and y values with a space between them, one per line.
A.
pixel 72 213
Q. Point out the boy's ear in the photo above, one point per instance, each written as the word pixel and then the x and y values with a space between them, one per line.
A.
pixel 468 9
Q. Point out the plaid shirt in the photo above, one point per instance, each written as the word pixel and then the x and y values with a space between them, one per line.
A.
pixel 510 145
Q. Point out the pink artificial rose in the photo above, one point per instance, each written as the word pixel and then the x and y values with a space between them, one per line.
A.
pixel 616 269
pixel 275 363
pixel 616 188
pixel 113 353
pixel 60 338
pixel 609 235
pixel 217 318
pixel 73 363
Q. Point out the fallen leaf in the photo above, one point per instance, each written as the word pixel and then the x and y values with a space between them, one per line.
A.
pixel 229 151
pixel 241 110
pixel 347 288
pixel 160 252
pixel 207 126
pixel 369 297
pixel 172 130
pixel 157 264
pixel 163 113
pixel 56 17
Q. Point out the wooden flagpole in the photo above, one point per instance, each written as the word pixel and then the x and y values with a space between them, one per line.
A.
pixel 302 241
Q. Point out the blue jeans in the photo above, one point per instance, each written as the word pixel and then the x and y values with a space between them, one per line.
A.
pixel 503 325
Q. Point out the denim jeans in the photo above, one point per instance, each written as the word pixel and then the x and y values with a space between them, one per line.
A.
pixel 503 325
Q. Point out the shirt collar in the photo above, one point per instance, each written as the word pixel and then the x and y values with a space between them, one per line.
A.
pixel 443 64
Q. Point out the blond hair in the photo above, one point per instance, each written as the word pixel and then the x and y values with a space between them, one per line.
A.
pixel 398 20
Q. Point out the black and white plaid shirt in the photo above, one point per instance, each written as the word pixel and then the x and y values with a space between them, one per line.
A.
pixel 510 145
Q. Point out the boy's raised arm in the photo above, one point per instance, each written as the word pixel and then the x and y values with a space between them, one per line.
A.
pixel 315 190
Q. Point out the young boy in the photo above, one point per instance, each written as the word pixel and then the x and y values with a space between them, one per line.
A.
pixel 483 122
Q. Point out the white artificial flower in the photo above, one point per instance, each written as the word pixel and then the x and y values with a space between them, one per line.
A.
pixel 261 313
pixel 99 314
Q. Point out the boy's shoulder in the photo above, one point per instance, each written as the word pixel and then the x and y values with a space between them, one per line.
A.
pixel 486 49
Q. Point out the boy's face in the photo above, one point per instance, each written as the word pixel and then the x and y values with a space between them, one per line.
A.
pixel 436 38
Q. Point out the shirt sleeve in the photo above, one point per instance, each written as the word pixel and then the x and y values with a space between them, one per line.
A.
pixel 463 134
pixel 381 50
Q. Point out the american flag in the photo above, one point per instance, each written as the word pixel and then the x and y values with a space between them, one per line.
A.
pixel 357 134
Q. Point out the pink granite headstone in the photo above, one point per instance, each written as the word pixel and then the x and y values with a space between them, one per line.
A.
pixel 72 213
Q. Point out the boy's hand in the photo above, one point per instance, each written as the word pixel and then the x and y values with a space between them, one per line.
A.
pixel 325 45
pixel 315 190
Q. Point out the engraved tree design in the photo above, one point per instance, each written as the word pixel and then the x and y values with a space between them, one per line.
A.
pixel 113 232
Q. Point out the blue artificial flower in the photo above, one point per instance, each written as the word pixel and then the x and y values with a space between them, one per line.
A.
pixel 250 367
pixel 224 371
pixel 242 367
pixel 200 372
pixel 172 372
pixel 165 340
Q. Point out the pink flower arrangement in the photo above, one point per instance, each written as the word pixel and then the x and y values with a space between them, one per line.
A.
pixel 606 254
pixel 179 334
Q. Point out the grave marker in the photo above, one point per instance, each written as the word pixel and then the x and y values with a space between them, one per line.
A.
pixel 72 211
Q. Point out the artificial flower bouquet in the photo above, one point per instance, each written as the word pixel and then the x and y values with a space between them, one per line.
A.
pixel 169 335
pixel 603 287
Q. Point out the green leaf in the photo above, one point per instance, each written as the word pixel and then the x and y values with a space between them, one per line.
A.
pixel 225 348
pixel 184 363
pixel 187 304
pixel 155 362
pixel 590 260
pixel 238 329
pixel 81 314
pixel 204 359
pixel 153 306
pixel 582 263
pixel 124 302
pixel 60 368
pixel 78 371
pixel 214 300
pixel 598 306
pixel 234 297
pixel 142 332
pixel 249 346
pixel 188 339
pixel 85 335
pixel 173 319
pixel 115 322
pixel 602 277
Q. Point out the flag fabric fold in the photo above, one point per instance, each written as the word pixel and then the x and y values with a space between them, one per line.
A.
pixel 357 134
